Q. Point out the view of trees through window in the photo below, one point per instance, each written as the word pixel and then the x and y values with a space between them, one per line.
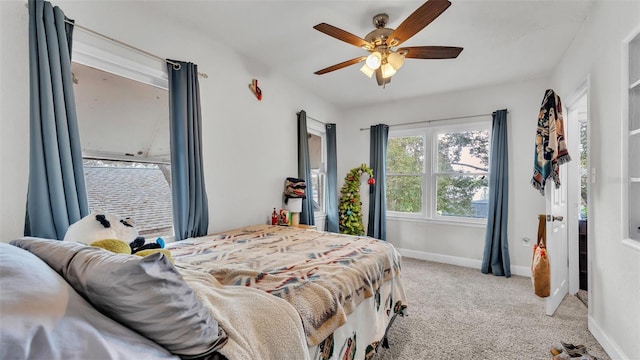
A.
pixel 462 175
pixel 583 170
pixel 405 173
pixel 459 177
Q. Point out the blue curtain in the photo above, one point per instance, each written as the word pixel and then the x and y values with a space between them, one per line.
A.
pixel 331 202
pixel 496 246
pixel 56 195
pixel 377 226
pixel 190 204
pixel 304 169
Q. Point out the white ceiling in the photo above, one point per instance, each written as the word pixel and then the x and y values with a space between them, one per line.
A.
pixel 503 41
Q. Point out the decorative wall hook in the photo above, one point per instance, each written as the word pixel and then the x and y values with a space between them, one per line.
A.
pixel 255 89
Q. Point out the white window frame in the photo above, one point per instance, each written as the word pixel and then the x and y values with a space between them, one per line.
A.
pixel 429 184
pixel 102 54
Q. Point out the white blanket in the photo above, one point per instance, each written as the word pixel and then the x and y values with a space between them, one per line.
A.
pixel 259 325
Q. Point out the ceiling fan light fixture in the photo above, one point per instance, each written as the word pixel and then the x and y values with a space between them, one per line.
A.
pixel 384 58
pixel 388 70
pixel 396 60
pixel 367 70
pixel 374 60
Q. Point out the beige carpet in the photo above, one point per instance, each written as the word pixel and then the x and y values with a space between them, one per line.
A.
pixel 460 313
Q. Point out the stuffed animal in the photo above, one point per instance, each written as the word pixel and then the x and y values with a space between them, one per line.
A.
pixel 121 247
pixel 139 244
pixel 113 245
pixel 114 234
pixel 99 227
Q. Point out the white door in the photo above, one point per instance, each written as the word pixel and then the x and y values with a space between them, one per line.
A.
pixel 557 240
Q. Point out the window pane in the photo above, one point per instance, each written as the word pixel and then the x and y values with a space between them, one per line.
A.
pixel 584 171
pixel 404 193
pixel 315 150
pixel 463 195
pixel 316 144
pixel 405 155
pixel 466 151
pixel 317 181
pixel 136 190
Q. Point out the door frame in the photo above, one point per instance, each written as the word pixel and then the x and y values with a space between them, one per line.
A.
pixel 574 196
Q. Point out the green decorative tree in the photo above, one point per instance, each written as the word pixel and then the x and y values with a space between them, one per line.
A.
pixel 350 207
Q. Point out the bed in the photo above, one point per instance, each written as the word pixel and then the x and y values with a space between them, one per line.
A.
pixel 259 292
pixel 346 289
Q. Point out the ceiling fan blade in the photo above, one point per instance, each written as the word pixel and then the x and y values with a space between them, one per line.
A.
pixel 341 65
pixel 431 52
pixel 343 35
pixel 420 18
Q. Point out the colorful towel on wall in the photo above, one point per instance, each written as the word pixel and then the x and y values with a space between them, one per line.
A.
pixel 551 148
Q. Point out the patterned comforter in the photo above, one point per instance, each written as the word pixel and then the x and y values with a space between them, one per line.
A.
pixel 323 275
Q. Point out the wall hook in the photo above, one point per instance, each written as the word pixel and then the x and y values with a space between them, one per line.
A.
pixel 255 89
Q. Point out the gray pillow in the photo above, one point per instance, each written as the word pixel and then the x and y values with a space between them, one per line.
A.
pixel 44 318
pixel 147 294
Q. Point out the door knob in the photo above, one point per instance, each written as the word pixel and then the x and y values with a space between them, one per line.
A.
pixel 555 218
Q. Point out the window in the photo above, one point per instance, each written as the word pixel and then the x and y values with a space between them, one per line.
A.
pixel 124 133
pixel 141 191
pixel 405 173
pixel 461 174
pixel 317 155
pixel 439 173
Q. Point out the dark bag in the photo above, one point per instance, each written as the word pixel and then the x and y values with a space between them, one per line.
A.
pixel 540 275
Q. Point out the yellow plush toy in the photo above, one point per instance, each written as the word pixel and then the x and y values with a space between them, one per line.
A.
pixel 121 247
pixel 113 245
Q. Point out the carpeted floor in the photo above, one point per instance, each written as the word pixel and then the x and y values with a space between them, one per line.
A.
pixel 583 295
pixel 460 313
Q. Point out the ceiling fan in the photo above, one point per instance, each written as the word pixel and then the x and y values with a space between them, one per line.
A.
pixel 384 59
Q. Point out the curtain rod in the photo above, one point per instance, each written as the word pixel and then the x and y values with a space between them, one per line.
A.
pixel 435 120
pixel 176 65
pixel 309 117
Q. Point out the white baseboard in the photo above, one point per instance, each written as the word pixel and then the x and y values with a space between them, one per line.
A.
pixel 607 344
pixel 458 261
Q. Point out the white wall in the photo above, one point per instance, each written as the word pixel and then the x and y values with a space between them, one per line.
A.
pixel 14 118
pixel 614 275
pixel 250 146
pixel 454 243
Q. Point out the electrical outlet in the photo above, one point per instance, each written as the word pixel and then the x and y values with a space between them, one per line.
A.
pixel 526 241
